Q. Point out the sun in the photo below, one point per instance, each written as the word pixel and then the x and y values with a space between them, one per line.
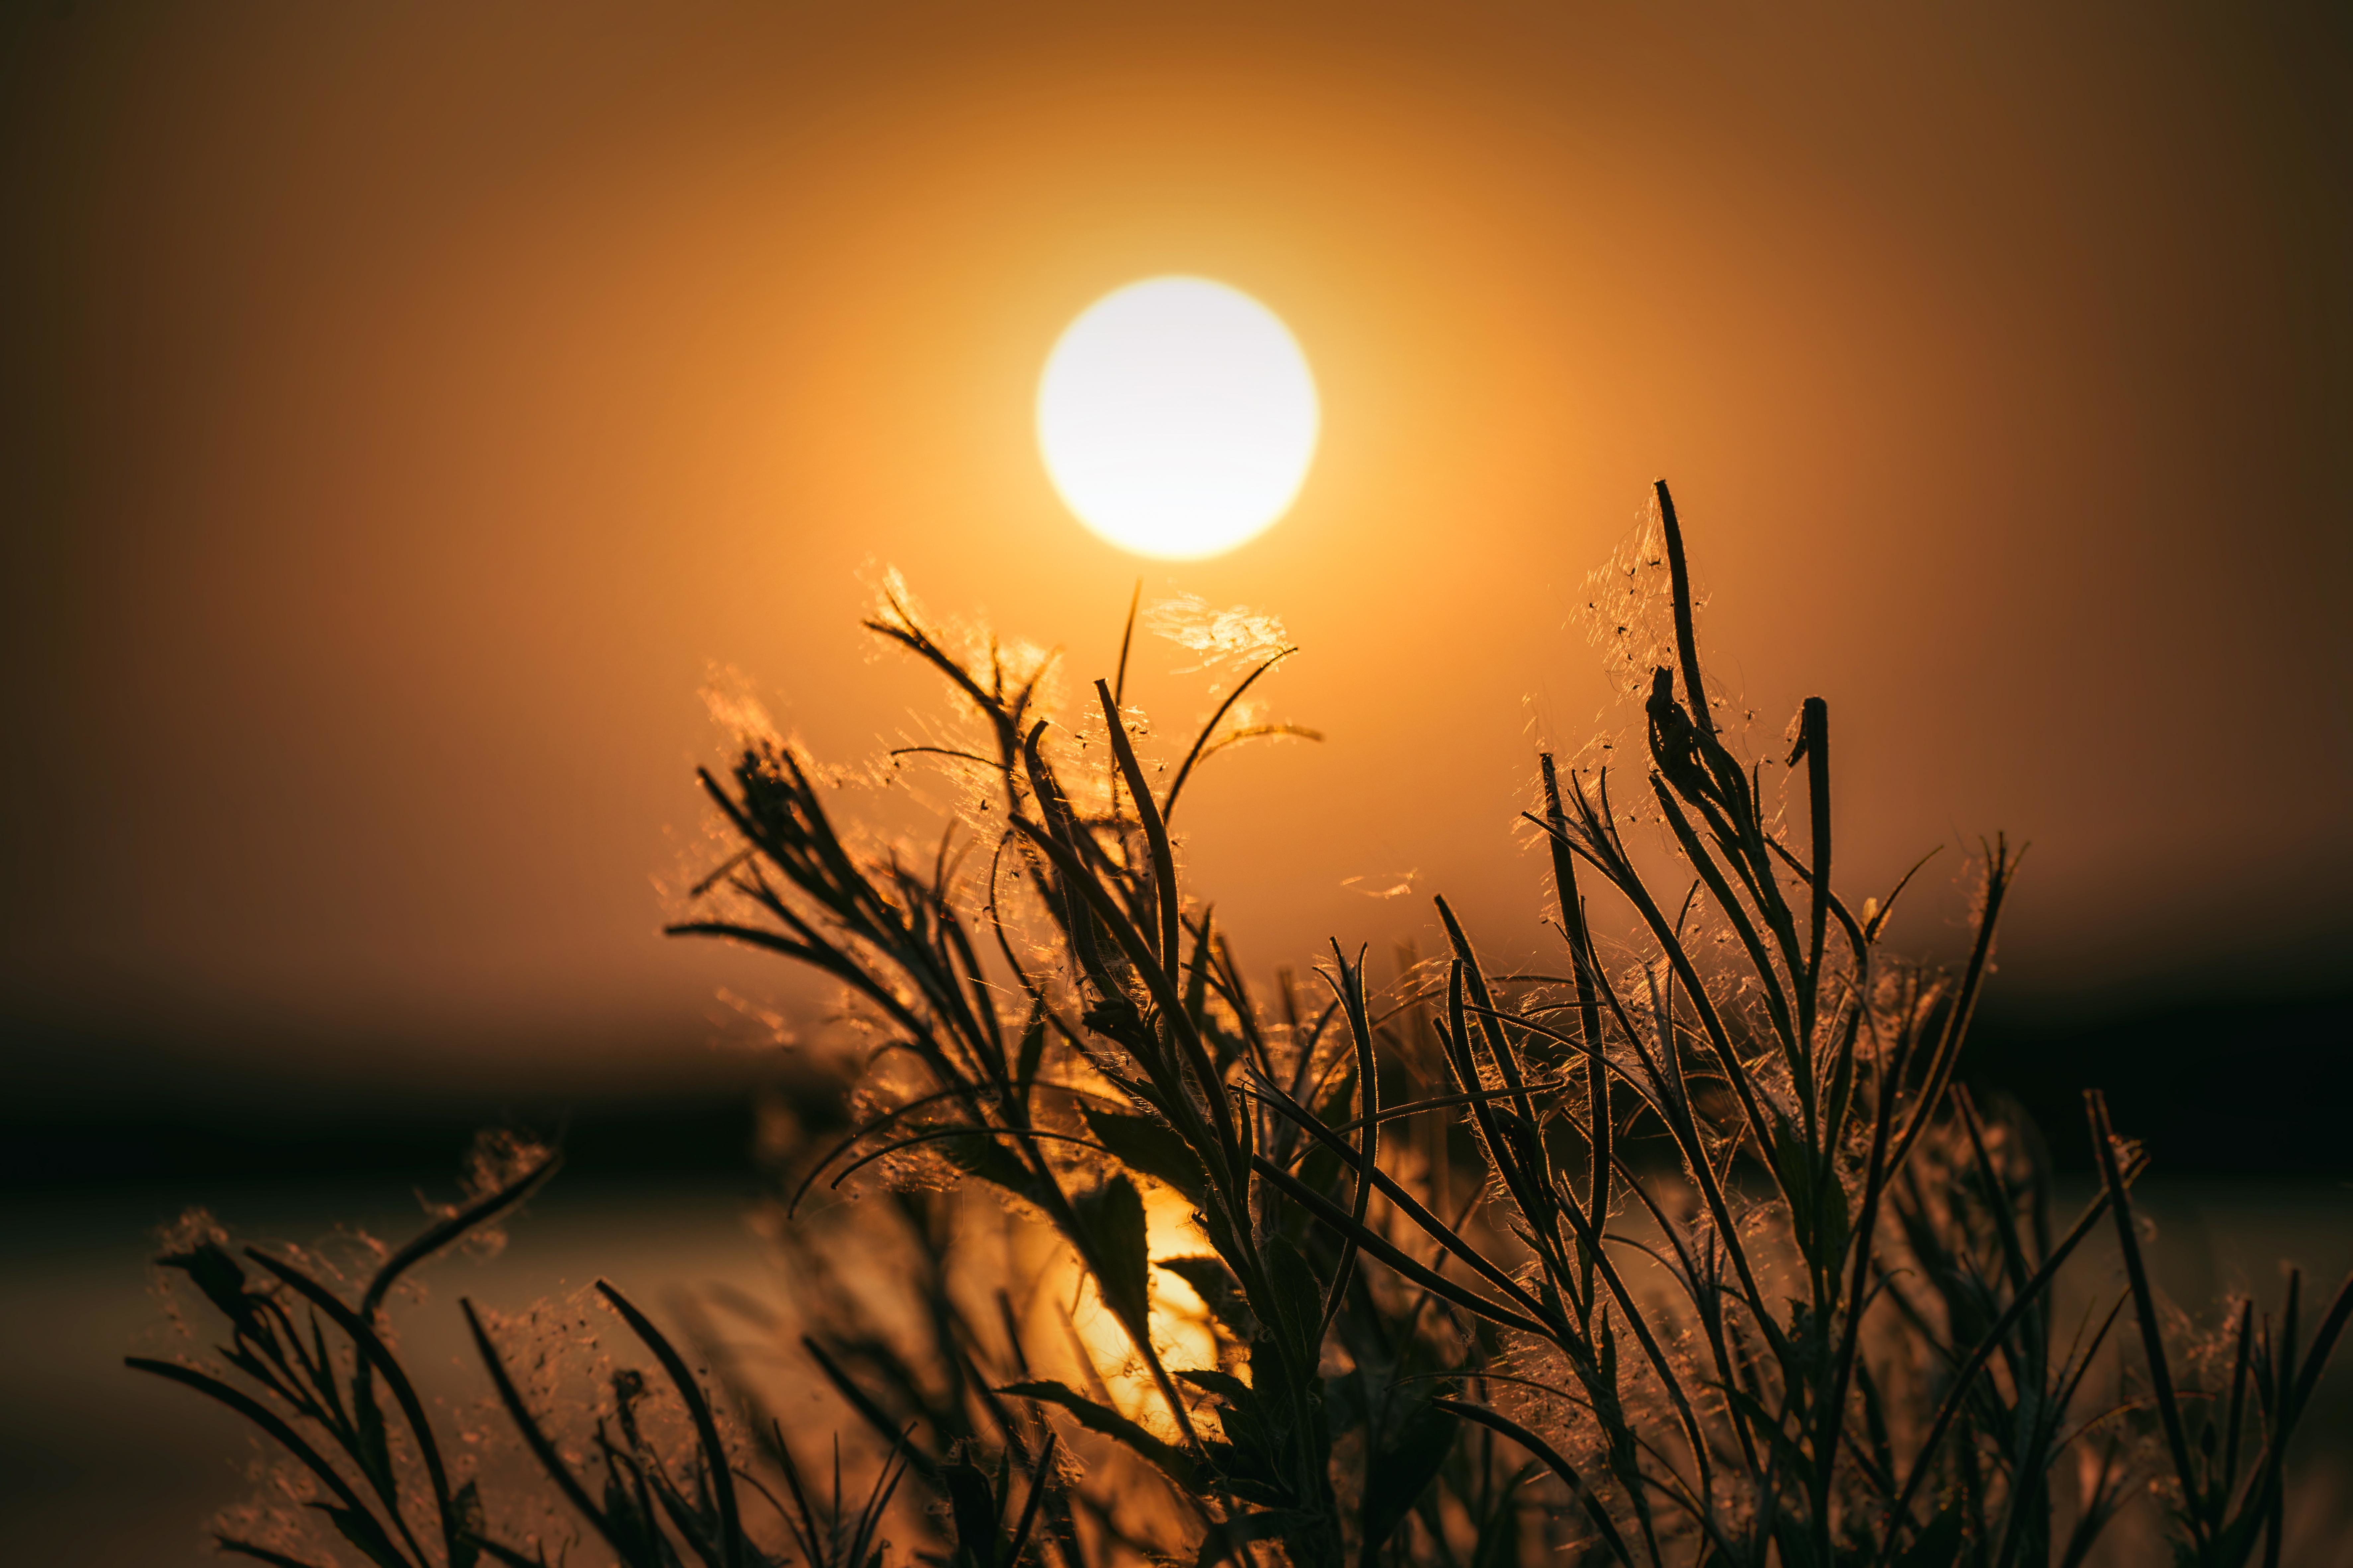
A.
pixel 1177 417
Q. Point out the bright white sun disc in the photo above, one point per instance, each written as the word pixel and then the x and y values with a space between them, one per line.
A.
pixel 1177 417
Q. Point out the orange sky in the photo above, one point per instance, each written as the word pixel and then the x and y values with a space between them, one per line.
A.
pixel 405 405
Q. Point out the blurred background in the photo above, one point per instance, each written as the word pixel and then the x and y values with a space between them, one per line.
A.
pixel 406 410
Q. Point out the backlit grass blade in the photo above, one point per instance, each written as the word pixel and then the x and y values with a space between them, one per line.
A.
pixel 698 1409
pixel 455 1228
pixel 541 1447
pixel 1603 1525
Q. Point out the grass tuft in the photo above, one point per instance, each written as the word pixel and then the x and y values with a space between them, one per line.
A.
pixel 1692 1254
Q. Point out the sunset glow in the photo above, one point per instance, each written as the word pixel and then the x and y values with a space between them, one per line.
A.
pixel 1177 417
pixel 1227 785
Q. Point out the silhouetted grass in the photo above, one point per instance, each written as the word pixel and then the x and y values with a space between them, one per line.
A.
pixel 1694 1253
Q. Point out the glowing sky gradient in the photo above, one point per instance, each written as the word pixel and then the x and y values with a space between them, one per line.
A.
pixel 408 405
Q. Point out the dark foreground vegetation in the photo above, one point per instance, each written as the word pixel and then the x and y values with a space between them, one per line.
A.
pixel 1689 1249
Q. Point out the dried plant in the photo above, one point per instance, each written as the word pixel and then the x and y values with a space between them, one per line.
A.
pixel 1695 1253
